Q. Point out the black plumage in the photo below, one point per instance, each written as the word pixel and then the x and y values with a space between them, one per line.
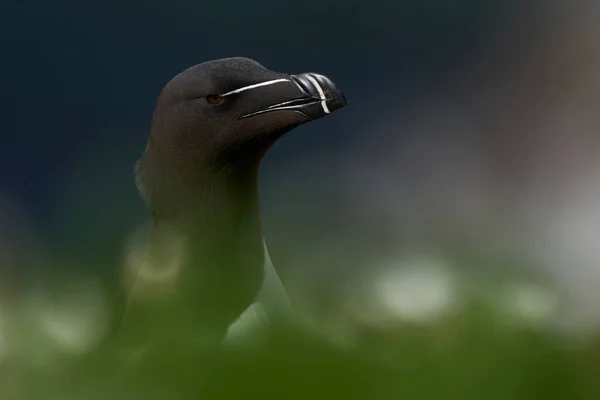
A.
pixel 202 263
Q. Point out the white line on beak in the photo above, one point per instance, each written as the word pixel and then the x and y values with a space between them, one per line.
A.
pixel 250 87
pixel 321 93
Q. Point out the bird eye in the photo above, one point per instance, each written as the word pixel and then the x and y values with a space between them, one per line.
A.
pixel 214 99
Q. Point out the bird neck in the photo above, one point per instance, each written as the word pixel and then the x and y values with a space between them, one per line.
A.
pixel 217 205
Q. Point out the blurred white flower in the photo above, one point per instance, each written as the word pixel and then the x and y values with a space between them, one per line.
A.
pixel 45 327
pixel 417 290
pixel 527 303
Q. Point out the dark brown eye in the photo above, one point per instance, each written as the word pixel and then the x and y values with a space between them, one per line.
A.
pixel 214 99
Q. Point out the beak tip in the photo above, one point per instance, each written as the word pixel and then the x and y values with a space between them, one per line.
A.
pixel 336 102
pixel 320 86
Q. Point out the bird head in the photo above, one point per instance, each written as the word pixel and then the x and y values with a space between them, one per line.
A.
pixel 221 117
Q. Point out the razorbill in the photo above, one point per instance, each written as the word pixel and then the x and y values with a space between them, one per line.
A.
pixel 203 260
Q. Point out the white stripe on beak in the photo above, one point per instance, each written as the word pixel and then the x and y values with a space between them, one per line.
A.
pixel 249 87
pixel 321 94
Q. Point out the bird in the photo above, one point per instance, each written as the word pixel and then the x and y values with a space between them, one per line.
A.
pixel 200 267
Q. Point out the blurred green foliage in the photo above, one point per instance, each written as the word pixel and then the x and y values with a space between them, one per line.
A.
pixel 470 355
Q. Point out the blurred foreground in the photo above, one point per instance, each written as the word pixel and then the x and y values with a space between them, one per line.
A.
pixel 479 348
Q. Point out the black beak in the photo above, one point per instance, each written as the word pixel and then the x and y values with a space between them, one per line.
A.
pixel 319 97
